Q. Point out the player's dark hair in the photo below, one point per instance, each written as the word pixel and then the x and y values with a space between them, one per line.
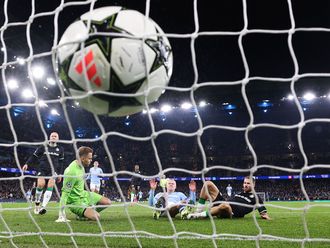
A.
pixel 84 150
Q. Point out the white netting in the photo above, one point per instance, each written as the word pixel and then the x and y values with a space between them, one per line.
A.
pixel 12 143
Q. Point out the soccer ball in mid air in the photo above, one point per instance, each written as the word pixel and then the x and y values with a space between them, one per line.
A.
pixel 110 54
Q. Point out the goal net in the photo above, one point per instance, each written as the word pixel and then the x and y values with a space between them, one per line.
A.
pixel 249 96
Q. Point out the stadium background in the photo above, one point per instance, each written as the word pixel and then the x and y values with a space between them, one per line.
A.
pixel 218 58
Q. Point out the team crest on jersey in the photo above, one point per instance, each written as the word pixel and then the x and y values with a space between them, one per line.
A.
pixel 251 196
pixel 69 185
pixel 57 149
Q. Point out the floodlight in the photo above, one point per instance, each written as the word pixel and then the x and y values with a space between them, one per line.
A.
pixel 38 72
pixel 186 105
pixel 12 84
pixel 309 96
pixel 27 93
pixel 166 108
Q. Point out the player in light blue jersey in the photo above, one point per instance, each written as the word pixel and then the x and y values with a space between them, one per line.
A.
pixel 95 178
pixel 171 201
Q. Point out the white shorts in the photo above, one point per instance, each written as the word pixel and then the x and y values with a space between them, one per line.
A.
pixel 94 186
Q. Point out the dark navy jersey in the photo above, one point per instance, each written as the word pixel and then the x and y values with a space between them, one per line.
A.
pixel 135 180
pixel 247 199
pixel 56 154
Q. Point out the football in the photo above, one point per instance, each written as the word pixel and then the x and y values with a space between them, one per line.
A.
pixel 114 61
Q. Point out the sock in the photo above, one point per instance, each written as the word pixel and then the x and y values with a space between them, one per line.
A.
pixel 204 214
pixel 200 205
pixel 38 194
pixel 132 197
pixel 47 196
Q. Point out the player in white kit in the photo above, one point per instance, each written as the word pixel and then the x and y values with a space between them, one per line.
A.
pixel 229 190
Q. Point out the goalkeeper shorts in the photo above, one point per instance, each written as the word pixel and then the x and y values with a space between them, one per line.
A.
pixel 89 199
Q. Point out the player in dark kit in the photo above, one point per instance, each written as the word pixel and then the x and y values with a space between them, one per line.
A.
pixel 56 154
pixel 232 209
pixel 135 183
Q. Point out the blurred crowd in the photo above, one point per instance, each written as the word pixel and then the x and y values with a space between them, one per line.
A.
pixel 273 190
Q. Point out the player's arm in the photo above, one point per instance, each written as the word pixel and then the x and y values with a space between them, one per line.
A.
pixel 192 191
pixel 100 174
pixel 68 184
pixel 34 158
pixel 101 177
pixel 61 161
pixel 152 198
pixel 263 211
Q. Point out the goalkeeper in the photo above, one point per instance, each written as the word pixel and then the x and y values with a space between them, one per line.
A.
pixel 240 205
pixel 82 202
pixel 172 201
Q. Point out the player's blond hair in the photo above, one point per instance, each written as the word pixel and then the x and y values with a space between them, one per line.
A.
pixel 84 151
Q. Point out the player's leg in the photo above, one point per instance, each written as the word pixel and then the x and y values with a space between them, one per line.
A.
pixel 33 194
pixel 132 197
pixel 40 187
pixel 47 195
pixel 92 187
pixel 97 188
pixel 91 214
pixel 183 209
pixel 209 192
pixel 160 208
pixel 186 209
pixel 82 207
pixel 102 204
pixel 222 210
pixel 137 190
pixel 174 210
pixel 94 199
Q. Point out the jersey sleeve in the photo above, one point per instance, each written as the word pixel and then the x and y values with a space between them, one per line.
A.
pixel 182 196
pixel 261 209
pixel 153 198
pixel 36 155
pixel 192 196
pixel 68 184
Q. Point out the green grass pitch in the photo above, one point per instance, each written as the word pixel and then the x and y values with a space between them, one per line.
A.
pixel 286 223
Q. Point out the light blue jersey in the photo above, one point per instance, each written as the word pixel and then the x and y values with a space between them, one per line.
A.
pixel 95 175
pixel 171 198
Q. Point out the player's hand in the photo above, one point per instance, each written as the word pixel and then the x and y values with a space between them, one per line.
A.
pixel 25 167
pixel 192 186
pixel 265 216
pixel 153 184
